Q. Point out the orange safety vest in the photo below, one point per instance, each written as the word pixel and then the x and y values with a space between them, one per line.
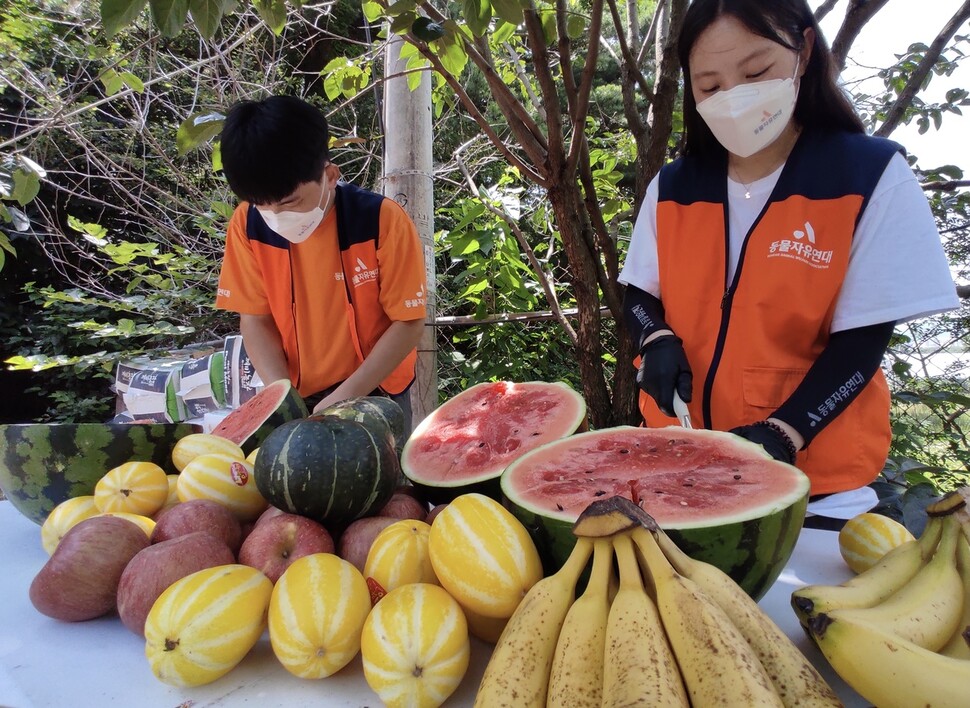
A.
pixel 358 226
pixel 750 342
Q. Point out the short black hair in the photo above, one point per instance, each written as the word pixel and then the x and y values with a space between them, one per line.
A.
pixel 821 103
pixel 272 146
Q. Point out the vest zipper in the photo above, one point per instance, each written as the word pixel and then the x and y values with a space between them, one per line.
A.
pixel 726 301
pixel 296 331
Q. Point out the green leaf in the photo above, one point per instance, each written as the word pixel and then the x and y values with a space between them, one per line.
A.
pixel 169 15
pixel 477 14
pixel 503 32
pixel 575 26
pixel 273 13
pixel 402 23
pixel 111 80
pixel 118 14
pixel 198 128
pixel 372 10
pixel 426 30
pixel 26 185
pixel 217 156
pixel 508 10
pixel 401 6
pixel 207 14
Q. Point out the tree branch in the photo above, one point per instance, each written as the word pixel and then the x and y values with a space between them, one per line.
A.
pixel 856 17
pixel 547 88
pixel 950 185
pixel 897 111
pixel 581 109
pixel 824 9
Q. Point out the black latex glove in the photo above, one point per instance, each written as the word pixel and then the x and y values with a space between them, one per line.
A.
pixel 775 442
pixel 663 368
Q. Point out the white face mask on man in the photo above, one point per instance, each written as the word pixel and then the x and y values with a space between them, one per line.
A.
pixel 296 226
pixel 750 117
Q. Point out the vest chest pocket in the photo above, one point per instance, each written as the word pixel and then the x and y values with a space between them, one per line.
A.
pixel 767 388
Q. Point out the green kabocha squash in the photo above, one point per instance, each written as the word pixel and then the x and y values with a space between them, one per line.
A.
pixel 329 469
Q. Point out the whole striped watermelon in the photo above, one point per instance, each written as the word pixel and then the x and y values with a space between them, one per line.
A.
pixel 330 469
pixel 43 464
pixel 721 499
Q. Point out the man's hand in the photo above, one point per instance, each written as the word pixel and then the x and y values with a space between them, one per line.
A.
pixel 664 368
pixel 771 437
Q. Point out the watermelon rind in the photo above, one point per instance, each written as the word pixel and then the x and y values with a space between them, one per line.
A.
pixel 44 464
pixel 419 469
pixel 752 546
pixel 250 424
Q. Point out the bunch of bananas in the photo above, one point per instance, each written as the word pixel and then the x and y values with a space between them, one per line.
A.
pixel 670 631
pixel 899 633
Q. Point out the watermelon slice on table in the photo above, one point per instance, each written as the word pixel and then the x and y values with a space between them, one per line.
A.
pixel 465 444
pixel 721 499
pixel 254 420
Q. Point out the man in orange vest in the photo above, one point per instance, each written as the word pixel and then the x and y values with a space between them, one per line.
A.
pixel 328 279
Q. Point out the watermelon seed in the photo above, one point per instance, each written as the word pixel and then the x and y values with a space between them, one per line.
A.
pixel 737 476
pixel 688 484
pixel 587 471
pixel 599 493
pixel 559 506
pixel 624 452
pixel 534 434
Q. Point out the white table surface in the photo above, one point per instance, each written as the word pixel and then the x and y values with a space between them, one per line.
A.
pixel 45 663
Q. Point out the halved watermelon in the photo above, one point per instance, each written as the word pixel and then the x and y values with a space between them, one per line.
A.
pixel 465 444
pixel 248 425
pixel 722 499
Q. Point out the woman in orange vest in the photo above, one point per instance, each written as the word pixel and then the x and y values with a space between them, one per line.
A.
pixel 771 262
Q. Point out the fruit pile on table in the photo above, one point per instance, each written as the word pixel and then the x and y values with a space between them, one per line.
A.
pixel 615 567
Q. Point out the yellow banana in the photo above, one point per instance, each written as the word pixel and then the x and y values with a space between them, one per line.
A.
pixel 886 670
pixel 925 610
pixel 576 678
pixel 517 675
pixel 958 645
pixel 639 668
pixel 795 679
pixel 718 666
pixel 874 585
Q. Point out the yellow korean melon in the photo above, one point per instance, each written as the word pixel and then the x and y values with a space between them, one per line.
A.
pixel 203 625
pixel 145 523
pixel 316 613
pixel 191 446
pixel 399 555
pixel 483 556
pixel 867 537
pixel 224 479
pixel 415 646
pixel 132 487
pixel 62 519
pixel 488 629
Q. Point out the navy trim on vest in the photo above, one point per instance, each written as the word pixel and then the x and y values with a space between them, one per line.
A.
pixel 358 219
pixel 820 166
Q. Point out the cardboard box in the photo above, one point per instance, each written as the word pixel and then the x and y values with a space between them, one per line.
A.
pixel 241 380
pixel 151 392
pixel 202 384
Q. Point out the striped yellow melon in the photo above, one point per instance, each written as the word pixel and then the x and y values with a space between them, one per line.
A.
pixel 173 497
pixel 191 446
pixel 251 457
pixel 316 613
pixel 415 646
pixel 132 487
pixel 483 556
pixel 63 517
pixel 399 555
pixel 867 537
pixel 224 479
pixel 203 625
pixel 145 523
pixel 488 629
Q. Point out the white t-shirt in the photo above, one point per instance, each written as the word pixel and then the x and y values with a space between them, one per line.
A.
pixel 897 267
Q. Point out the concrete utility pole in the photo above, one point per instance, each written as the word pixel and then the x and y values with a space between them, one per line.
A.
pixel 408 174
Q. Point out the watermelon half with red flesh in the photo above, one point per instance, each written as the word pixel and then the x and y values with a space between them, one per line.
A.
pixel 721 499
pixel 250 424
pixel 465 444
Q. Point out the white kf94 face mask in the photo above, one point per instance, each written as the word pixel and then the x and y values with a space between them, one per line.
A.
pixel 295 226
pixel 750 117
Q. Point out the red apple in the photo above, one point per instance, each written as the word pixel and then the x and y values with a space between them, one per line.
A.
pixel 269 513
pixel 434 512
pixel 156 567
pixel 404 506
pixel 80 579
pixel 199 515
pixel 356 540
pixel 279 540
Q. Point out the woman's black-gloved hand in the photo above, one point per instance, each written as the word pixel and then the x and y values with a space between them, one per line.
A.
pixel 664 368
pixel 771 437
